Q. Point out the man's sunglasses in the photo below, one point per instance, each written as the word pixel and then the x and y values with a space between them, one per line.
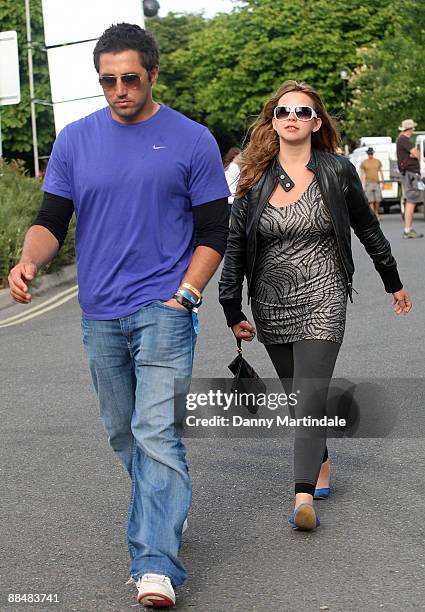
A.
pixel 130 80
pixel 302 113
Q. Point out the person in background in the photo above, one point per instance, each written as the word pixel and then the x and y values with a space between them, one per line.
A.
pixel 372 179
pixel 408 163
pixel 232 170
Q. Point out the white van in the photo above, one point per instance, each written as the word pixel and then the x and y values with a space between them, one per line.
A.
pixel 420 145
pixel 386 151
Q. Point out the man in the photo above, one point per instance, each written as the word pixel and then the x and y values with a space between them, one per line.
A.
pixel 408 164
pixel 150 197
pixel 372 178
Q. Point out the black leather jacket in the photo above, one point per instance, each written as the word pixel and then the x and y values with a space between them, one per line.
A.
pixel 345 199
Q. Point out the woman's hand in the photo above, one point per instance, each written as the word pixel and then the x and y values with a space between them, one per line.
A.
pixel 244 330
pixel 401 302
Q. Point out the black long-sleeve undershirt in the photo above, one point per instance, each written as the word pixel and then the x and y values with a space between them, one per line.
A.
pixel 211 220
pixel 55 215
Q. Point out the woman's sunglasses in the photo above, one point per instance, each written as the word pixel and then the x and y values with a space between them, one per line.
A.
pixel 130 80
pixel 302 113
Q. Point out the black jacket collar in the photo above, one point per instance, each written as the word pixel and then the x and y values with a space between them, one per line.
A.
pixel 279 173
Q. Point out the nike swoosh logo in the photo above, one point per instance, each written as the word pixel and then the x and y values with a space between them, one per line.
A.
pixel 156 148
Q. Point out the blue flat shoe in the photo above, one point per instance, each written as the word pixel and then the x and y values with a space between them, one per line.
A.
pixel 322 493
pixel 304 518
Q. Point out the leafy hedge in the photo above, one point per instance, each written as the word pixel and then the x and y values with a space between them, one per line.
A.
pixel 20 198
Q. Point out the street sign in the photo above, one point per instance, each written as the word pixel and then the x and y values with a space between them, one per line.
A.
pixel 72 72
pixel 71 30
pixel 67 112
pixel 75 91
pixel 10 89
pixel 80 20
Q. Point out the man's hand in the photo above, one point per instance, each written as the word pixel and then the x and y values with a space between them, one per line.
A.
pixel 175 304
pixel 401 302
pixel 19 278
pixel 40 246
pixel 244 330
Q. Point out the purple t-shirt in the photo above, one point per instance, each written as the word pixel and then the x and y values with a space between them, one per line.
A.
pixel 133 188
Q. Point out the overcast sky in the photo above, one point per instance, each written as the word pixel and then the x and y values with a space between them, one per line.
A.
pixel 210 7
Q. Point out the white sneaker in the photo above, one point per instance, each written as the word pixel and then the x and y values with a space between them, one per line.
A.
pixel 155 590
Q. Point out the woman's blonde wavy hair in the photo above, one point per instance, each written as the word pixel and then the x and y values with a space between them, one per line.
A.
pixel 263 143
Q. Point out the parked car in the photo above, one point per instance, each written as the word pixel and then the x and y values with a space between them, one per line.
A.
pixel 420 145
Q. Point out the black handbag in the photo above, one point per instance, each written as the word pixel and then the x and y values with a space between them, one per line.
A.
pixel 246 381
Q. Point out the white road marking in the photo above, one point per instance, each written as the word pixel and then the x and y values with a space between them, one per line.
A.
pixel 50 304
pixel 25 312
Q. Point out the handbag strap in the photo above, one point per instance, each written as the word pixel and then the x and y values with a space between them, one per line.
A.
pixel 239 345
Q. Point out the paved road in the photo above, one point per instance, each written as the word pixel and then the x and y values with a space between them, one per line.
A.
pixel 64 496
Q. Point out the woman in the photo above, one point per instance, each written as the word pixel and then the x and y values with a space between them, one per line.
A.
pixel 290 236
pixel 231 171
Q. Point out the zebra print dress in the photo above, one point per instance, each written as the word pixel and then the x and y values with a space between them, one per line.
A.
pixel 300 289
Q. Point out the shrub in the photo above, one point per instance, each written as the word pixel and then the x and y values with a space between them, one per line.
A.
pixel 20 198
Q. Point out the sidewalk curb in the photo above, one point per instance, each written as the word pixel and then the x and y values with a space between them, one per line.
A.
pixel 68 274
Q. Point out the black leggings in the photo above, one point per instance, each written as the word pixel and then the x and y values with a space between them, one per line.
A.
pixel 306 366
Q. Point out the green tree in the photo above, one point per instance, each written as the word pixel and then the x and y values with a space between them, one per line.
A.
pixel 219 71
pixel 20 199
pixel 387 87
pixel 173 34
pixel 16 122
pixel 238 59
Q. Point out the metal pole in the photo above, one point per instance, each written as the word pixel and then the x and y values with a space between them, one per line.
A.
pixel 345 99
pixel 344 87
pixel 345 117
pixel 31 83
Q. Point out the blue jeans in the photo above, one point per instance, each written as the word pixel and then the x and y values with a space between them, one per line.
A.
pixel 133 363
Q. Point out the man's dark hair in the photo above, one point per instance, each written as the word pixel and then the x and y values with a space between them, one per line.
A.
pixel 124 36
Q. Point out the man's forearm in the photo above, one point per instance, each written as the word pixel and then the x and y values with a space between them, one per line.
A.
pixel 40 246
pixel 204 263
